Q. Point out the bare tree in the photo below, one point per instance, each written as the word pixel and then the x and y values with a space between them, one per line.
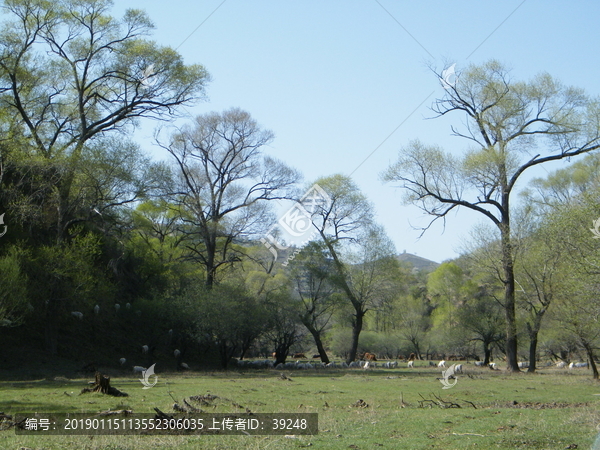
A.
pixel 225 184
pixel 506 123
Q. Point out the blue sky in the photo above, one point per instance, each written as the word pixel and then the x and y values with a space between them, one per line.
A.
pixel 345 84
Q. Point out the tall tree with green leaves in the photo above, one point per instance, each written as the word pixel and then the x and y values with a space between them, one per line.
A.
pixel 572 232
pixel 539 274
pixel 511 127
pixel 365 268
pixel 546 265
pixel 445 286
pixel 310 275
pixel 482 320
pixel 71 73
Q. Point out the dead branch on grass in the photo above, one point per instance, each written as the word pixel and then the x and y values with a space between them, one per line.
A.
pixel 440 402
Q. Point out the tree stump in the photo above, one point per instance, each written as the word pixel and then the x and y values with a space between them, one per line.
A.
pixel 102 384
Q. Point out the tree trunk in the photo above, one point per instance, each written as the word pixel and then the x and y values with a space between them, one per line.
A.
pixel 417 350
pixel 281 354
pixel 487 352
pixel 102 383
pixel 356 329
pixel 509 293
pixel 226 352
pixel 533 341
pixel 209 259
pixel 590 354
pixel 210 271
pixel 317 337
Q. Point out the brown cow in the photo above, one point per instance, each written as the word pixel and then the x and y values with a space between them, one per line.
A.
pixel 370 356
pixel 298 355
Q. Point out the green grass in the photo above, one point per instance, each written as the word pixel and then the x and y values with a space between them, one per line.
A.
pixel 553 409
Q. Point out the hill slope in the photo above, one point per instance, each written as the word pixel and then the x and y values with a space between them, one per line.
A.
pixel 417 262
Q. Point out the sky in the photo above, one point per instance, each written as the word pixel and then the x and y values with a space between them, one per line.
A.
pixel 344 85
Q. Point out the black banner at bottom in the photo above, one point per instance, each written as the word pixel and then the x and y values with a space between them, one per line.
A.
pixel 181 424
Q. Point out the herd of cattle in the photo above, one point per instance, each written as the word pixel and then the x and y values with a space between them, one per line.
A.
pixel 369 361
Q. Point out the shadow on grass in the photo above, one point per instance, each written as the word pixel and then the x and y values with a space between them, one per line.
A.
pixel 30 407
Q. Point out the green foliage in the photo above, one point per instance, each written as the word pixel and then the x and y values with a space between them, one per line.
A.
pixel 230 317
pixel 340 342
pixel 70 272
pixel 13 287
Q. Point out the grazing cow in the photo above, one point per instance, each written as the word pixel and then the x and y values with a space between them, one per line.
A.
pixel 315 356
pixel 298 355
pixel 479 363
pixel 442 363
pixel 561 365
pixel 493 366
pixel 523 365
pixel 411 364
pixel 370 356
pixel 458 368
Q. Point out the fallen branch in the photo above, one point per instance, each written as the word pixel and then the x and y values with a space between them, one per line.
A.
pixel 125 412
pixel 446 404
pixel 441 402
pixel 468 434
pixel 161 415
pixel 470 403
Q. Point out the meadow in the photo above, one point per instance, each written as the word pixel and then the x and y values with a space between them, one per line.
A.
pixel 380 408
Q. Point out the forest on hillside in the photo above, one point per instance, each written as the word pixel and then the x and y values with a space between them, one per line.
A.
pixel 104 250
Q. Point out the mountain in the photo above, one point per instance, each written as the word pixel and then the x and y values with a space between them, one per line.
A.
pixel 418 263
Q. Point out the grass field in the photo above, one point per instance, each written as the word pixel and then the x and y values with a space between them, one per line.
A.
pixel 554 409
